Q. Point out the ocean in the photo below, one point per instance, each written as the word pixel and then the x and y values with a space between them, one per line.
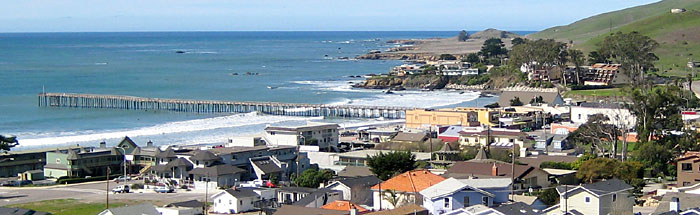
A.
pixel 302 67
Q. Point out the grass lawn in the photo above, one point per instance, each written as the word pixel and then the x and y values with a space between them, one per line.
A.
pixel 598 92
pixel 67 206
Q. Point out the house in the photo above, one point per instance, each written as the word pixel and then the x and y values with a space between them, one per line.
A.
pixel 494 137
pixel 525 176
pixel 13 163
pixel 403 188
pixel 306 197
pixel 268 167
pixel 563 128
pixel 340 205
pixel 449 133
pixel 31 175
pixel 191 207
pixel 235 200
pixel 377 135
pixel 241 157
pixel 323 136
pixel 688 169
pixel 408 209
pixel 299 210
pixel 551 98
pixel 81 162
pixel 222 175
pixel 20 211
pixel 504 209
pixel 617 114
pixel 407 137
pixel 606 197
pixel 141 209
pixel 460 116
pixel 355 189
pixel 452 194
pixel 359 158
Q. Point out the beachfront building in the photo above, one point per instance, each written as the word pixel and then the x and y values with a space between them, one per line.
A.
pixel 14 163
pixel 606 75
pixel 406 69
pixel 461 116
pixel 312 137
pixel 82 162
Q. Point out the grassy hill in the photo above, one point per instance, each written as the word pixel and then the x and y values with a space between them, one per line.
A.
pixel 678 34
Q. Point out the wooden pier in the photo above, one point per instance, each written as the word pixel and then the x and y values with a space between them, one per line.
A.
pixel 75 100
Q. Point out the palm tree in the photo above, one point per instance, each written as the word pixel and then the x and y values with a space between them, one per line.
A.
pixel 392 197
pixel 576 57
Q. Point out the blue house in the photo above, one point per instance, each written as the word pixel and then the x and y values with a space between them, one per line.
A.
pixel 453 194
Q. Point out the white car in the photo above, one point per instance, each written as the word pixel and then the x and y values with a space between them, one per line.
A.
pixel 121 189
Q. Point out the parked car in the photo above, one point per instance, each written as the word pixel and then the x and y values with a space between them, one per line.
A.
pixel 122 179
pixel 164 189
pixel 121 189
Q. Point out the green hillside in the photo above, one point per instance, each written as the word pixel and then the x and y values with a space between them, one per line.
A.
pixel 678 34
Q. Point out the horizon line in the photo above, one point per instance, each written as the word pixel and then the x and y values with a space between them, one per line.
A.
pixel 188 31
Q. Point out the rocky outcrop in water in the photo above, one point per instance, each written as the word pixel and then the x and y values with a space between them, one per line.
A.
pixel 406 82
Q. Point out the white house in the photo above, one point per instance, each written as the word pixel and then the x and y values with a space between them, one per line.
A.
pixel 612 197
pixel 617 115
pixel 235 200
pixel 323 135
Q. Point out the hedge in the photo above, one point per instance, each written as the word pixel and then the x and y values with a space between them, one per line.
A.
pixel 590 87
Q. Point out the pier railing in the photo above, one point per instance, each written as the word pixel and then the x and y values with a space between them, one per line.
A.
pixel 75 100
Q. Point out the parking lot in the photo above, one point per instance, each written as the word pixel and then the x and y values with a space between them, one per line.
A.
pixel 92 192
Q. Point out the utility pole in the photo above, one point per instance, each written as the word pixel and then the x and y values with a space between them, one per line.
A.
pixel 107 199
pixel 206 194
pixel 512 175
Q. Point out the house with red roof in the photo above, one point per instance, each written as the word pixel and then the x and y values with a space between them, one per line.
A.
pixel 403 189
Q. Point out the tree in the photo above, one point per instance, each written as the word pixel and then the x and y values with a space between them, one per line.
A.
pixel 447 57
pixel 387 165
pixel 598 133
pixel 596 169
pixel 655 157
pixel 595 57
pixel 537 100
pixel 538 54
pixel 313 178
pixel 658 110
pixel 463 36
pixel 576 57
pixel 392 197
pixel 473 58
pixel 633 51
pixel 517 41
pixel 7 142
pixel 516 102
pixel 493 47
pixel 549 196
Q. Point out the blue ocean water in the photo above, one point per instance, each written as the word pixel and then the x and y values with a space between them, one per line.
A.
pixel 304 66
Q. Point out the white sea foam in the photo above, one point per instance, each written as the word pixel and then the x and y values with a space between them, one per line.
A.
pixel 196 125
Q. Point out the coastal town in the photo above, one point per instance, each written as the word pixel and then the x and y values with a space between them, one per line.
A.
pixel 571 127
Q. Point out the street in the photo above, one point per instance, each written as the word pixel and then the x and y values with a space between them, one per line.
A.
pixel 92 192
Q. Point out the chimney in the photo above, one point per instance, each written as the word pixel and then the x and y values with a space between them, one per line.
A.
pixel 675 204
pixel 149 143
pixel 103 145
pixel 354 211
pixel 494 170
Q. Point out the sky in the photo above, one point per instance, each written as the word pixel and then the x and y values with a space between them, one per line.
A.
pixel 296 15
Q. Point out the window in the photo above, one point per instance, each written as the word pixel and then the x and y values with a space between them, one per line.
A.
pixel 687 167
pixel 58 160
pixel 230 202
pixel 485 200
pixel 447 202
pixel 240 202
pixel 587 199
pixel 466 201
pixel 614 197
pixel 219 200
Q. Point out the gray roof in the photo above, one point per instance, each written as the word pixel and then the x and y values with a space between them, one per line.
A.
pixel 448 187
pixel 687 201
pixel 297 189
pixel 517 208
pixel 410 137
pixel 447 148
pixel 320 193
pixel 142 209
pixel 355 171
pixel 551 98
pixel 600 105
pixel 600 188
pixel 20 211
pixel 481 155
pixel 56 166
pixel 127 141
pixel 168 153
pixel 187 204
pixel 241 192
pixel 266 165
pixel 203 155
pixel 179 163
pixel 160 168
pixel 364 181
pixel 218 170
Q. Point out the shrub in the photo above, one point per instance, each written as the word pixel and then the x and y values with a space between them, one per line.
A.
pixel 555 165
pixel 137 186
pixel 81 180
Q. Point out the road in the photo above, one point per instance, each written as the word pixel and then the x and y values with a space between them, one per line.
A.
pixel 91 192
